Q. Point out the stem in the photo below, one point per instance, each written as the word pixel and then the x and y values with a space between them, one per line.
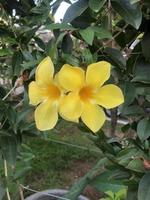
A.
pixel 9 93
pixel 21 192
pixel 6 177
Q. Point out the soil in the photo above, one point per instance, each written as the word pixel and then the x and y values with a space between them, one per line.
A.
pixel 79 169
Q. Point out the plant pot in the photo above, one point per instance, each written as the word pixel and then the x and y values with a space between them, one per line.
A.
pixel 43 195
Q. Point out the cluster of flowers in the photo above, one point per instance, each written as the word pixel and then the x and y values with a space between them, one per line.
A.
pixel 73 93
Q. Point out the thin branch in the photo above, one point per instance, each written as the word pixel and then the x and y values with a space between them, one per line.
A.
pixel 6 177
pixel 9 93
pixel 116 35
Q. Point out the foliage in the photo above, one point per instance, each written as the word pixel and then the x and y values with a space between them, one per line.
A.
pixel 89 32
pixel 120 195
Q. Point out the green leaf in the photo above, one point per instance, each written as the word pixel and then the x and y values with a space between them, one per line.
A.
pixel 88 35
pixel 2 92
pixel 102 33
pixel 131 13
pixel 2 191
pixel 125 155
pixel 70 59
pixel 79 186
pixel 87 56
pixel 21 173
pixel 62 26
pixel 51 49
pixel 60 37
pixel 133 110
pixel 84 20
pixel 125 158
pixel 17 60
pixel 110 194
pixel 146 46
pixel 75 10
pixel 132 194
pixel 144 188
pixel 116 57
pixel 104 183
pixel 143 90
pixel 22 115
pixel 9 149
pixel 96 5
pixel 5 52
pixel 142 72
pixel 121 194
pixel 134 1
pixel 129 92
pixel 143 129
pixel 67 44
pixel 40 43
pixel 30 64
pixel 136 165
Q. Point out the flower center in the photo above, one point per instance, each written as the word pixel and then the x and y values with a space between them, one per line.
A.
pixel 53 92
pixel 86 93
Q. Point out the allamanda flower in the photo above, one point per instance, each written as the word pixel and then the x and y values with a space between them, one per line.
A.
pixel 46 93
pixel 87 95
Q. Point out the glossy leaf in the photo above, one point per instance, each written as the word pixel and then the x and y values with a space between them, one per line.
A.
pixel 129 92
pixel 87 35
pixel 144 188
pixel 62 26
pixel 116 56
pixel 9 149
pixel 102 33
pixel 131 13
pixel 17 60
pixel 96 5
pixel 143 129
pixel 142 71
pixel 133 110
pixel 103 183
pixel 75 10
pixel 67 44
pixel 146 46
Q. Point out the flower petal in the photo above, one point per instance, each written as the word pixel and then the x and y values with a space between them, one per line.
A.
pixel 46 115
pixel 109 96
pixel 93 116
pixel 98 73
pixel 35 93
pixel 44 72
pixel 57 83
pixel 70 107
pixel 71 78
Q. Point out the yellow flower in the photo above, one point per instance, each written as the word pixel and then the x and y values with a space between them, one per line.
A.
pixel 46 93
pixel 86 94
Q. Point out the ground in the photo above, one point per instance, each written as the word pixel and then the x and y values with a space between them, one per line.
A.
pixel 58 164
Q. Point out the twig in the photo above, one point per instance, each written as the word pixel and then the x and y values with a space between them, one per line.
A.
pixel 21 192
pixel 116 35
pixel 9 93
pixel 6 177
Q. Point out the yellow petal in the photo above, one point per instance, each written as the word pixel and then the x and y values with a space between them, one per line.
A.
pixel 46 116
pixel 109 96
pixel 71 78
pixel 44 72
pixel 35 93
pixel 71 120
pixel 56 81
pixel 93 116
pixel 70 107
pixel 98 73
